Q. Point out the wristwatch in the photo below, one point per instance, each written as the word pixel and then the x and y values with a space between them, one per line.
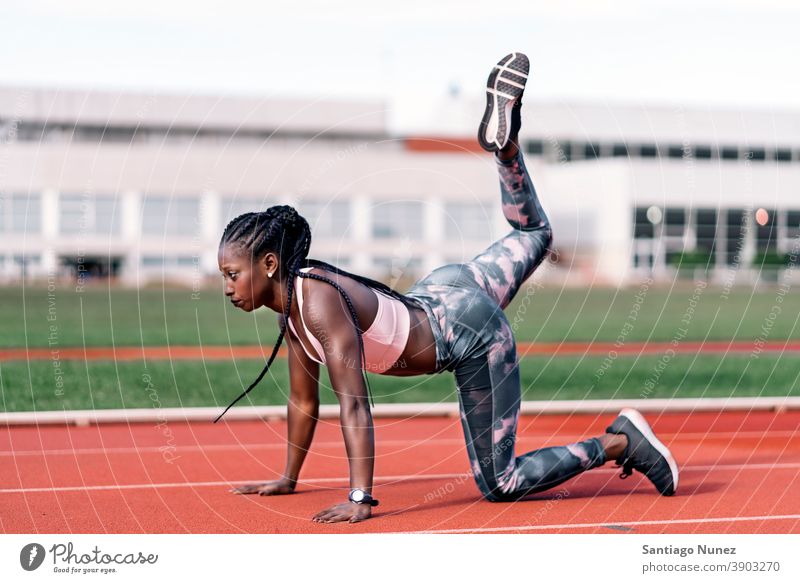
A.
pixel 358 496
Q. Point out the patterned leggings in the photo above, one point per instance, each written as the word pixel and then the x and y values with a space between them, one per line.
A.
pixel 465 303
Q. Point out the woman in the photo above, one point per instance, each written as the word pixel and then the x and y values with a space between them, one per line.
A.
pixel 451 320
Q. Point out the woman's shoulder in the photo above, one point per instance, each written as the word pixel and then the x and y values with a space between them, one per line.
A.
pixel 319 290
pixel 323 294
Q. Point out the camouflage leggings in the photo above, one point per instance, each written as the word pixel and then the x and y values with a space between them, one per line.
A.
pixel 465 303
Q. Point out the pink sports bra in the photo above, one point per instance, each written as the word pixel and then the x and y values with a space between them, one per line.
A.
pixel 385 340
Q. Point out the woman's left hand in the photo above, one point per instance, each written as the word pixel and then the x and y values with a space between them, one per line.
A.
pixel 346 512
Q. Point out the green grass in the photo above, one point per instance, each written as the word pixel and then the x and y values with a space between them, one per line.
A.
pixel 102 317
pixel 32 386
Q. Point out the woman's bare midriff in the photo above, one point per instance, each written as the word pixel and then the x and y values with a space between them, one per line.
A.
pixel 419 355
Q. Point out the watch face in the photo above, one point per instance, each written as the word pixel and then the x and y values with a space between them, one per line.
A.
pixel 357 495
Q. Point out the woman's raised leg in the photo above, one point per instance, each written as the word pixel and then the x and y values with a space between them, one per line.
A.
pixel 504 266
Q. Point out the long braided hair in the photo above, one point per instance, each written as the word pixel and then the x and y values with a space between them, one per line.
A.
pixel 282 230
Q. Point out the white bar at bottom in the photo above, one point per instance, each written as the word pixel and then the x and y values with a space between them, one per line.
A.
pixel 383 557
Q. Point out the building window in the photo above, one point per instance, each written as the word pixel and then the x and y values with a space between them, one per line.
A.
pixel 735 233
pixel 729 153
pixel 564 151
pixel 783 155
pixel 170 216
pixel 756 154
pixel 619 150
pixel 792 224
pixel 675 222
pixel 20 213
pixel 702 152
pixel 591 151
pixel 170 261
pixel 675 151
pixel 26 264
pixel 648 151
pixel 643 260
pixel 328 220
pixel 535 147
pixel 465 220
pixel 642 228
pixel 705 221
pixel 95 215
pixel 397 219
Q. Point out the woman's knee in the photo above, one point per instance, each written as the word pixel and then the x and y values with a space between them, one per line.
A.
pixel 498 494
pixel 498 488
pixel 543 234
pixel 548 242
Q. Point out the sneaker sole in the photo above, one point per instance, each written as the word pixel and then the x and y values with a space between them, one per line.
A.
pixel 644 427
pixel 504 88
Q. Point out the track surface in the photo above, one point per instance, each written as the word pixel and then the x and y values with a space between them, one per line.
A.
pixel 740 473
pixel 258 352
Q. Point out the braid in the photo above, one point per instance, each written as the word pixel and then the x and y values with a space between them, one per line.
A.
pixel 354 315
pixel 286 228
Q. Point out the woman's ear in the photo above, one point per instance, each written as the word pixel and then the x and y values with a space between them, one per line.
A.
pixel 270 265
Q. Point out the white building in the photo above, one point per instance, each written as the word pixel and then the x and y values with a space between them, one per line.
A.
pixel 140 186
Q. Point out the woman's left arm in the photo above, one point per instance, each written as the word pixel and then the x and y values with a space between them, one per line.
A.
pixel 331 323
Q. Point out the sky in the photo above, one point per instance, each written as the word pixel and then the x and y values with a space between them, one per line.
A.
pixel 413 53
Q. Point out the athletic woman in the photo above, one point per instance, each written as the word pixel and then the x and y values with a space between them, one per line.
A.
pixel 452 320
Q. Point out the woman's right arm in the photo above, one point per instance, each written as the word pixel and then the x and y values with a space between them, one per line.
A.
pixel 301 415
pixel 303 407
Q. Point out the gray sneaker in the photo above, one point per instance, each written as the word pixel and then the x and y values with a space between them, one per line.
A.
pixel 503 97
pixel 645 453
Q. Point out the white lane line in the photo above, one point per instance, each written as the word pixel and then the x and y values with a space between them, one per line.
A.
pixel 214 447
pixel 381 479
pixel 389 442
pixel 345 480
pixel 604 524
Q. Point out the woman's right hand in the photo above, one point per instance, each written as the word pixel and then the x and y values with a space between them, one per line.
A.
pixel 274 488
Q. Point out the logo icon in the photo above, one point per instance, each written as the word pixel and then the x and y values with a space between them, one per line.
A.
pixel 31 556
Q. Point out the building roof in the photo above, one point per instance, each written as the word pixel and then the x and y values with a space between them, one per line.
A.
pixel 140 109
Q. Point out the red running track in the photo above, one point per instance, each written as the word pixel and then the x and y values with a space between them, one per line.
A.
pixel 740 474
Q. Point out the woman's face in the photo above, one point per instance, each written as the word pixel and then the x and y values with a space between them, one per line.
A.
pixel 246 282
